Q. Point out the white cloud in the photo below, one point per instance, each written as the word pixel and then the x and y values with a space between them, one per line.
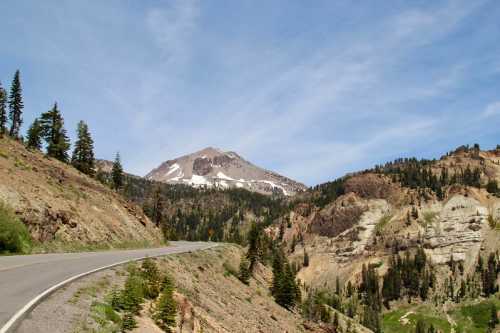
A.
pixel 171 27
pixel 491 110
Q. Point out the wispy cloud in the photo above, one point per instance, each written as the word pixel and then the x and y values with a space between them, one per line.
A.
pixel 335 91
pixel 171 27
pixel 491 110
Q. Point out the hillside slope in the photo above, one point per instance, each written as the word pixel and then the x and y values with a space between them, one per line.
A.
pixel 446 212
pixel 60 205
pixel 209 299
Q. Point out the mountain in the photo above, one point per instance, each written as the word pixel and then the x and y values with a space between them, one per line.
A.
pixel 213 167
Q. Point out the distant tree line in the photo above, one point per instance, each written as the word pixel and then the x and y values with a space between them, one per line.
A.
pixel 416 174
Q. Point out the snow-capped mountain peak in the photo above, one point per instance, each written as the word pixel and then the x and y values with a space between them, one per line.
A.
pixel 212 167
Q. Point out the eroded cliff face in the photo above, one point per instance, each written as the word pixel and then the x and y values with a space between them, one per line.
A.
pixel 369 226
pixel 60 204
pixel 456 231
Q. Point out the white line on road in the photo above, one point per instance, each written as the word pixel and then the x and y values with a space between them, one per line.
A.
pixel 31 304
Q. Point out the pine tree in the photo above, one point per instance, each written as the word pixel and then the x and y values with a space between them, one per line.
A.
pixel 166 308
pixel 55 135
pixel 420 327
pixel 3 111
pixel 284 288
pixel 83 154
pixel 132 295
pixel 34 140
pixel 15 106
pixel 493 316
pixel 117 173
pixel 244 273
pixel 254 250
pixel 157 207
pixel 306 259
pixel 336 320
pixel 152 278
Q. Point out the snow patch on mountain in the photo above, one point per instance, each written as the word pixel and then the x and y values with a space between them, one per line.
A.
pixel 211 167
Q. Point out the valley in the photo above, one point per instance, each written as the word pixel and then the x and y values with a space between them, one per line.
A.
pixel 409 244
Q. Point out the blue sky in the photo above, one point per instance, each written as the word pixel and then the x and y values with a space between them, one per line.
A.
pixel 310 89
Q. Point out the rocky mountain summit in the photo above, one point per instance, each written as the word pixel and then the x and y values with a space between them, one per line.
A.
pixel 215 168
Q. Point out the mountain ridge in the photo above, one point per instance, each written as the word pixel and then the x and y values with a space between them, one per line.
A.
pixel 213 167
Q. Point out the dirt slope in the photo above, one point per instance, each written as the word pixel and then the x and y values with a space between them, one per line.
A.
pixel 61 205
pixel 209 300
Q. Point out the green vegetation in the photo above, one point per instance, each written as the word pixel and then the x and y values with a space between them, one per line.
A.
pixel 429 217
pixel 117 173
pixel 62 246
pixel 3 111
pixel 475 318
pixel 244 273
pixel 83 154
pixel 16 106
pixel 418 174
pixel 14 236
pixel 107 318
pixel 34 138
pixel 55 134
pixel 382 223
pixel 166 307
pixel 329 192
pixel 392 322
pixel 492 222
pixel 284 288
pixel 118 311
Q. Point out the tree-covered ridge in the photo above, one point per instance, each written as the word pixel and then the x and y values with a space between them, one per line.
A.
pixel 185 212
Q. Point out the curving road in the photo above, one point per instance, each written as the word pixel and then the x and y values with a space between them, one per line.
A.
pixel 24 278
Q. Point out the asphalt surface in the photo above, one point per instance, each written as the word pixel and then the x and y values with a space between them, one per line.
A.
pixel 22 278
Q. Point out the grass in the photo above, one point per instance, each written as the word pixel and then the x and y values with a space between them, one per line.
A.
pixel 107 318
pixel 429 218
pixel 391 320
pixel 382 223
pixel 21 165
pixel 91 290
pixel 229 270
pixel 60 246
pixel 14 236
pixel 493 223
pixel 474 318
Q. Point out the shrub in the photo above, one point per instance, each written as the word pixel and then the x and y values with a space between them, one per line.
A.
pixel 132 295
pixel 166 307
pixel 128 322
pixel 152 278
pixel 14 236
pixel 244 274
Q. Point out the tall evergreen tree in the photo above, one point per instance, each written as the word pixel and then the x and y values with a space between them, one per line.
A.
pixel 284 288
pixel 55 135
pixel 117 173
pixel 34 140
pixel 16 106
pixel 420 327
pixel 244 273
pixel 493 316
pixel 254 245
pixel 3 111
pixel 83 154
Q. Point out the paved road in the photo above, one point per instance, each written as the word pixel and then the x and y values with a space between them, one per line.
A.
pixel 22 278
